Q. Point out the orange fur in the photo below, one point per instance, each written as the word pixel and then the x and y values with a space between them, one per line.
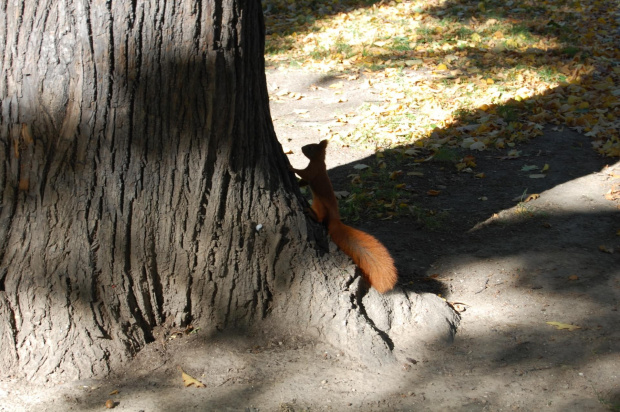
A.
pixel 367 252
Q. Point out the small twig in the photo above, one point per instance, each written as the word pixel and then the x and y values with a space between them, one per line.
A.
pixel 483 288
pixel 226 380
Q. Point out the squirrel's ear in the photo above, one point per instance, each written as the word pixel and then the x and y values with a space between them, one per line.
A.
pixel 323 143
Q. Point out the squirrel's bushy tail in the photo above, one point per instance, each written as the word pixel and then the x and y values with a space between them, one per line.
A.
pixel 368 254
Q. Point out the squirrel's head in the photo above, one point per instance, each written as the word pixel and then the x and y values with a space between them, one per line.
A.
pixel 315 150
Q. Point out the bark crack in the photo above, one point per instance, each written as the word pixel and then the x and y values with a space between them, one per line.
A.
pixel 198 25
pixel 91 49
pixel 110 73
pixel 357 301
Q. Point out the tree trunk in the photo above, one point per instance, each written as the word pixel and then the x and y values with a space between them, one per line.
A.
pixel 142 185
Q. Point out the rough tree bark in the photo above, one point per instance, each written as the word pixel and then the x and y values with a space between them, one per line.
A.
pixel 137 157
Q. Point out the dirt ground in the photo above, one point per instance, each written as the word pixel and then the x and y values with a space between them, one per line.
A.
pixel 508 266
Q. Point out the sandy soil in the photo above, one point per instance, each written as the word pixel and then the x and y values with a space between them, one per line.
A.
pixel 508 267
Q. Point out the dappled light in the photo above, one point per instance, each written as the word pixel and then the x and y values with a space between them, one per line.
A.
pixel 460 73
pixel 487 135
pixel 476 140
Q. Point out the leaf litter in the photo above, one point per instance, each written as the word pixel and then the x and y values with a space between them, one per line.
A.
pixel 477 75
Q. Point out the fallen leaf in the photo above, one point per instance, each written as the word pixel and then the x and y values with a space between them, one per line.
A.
pixel 545 168
pixel 531 197
pixel 528 168
pixel 459 307
pixel 559 326
pixel 605 249
pixel 413 62
pixel 189 381
pixel 433 192
pixel 360 166
pixel 573 277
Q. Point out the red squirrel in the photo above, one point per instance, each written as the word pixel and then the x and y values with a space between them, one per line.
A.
pixel 367 252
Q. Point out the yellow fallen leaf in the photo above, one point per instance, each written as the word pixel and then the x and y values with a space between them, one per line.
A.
pixel 545 168
pixel 573 277
pixel 442 67
pixel 433 192
pixel 531 197
pixel 559 325
pixel 189 381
